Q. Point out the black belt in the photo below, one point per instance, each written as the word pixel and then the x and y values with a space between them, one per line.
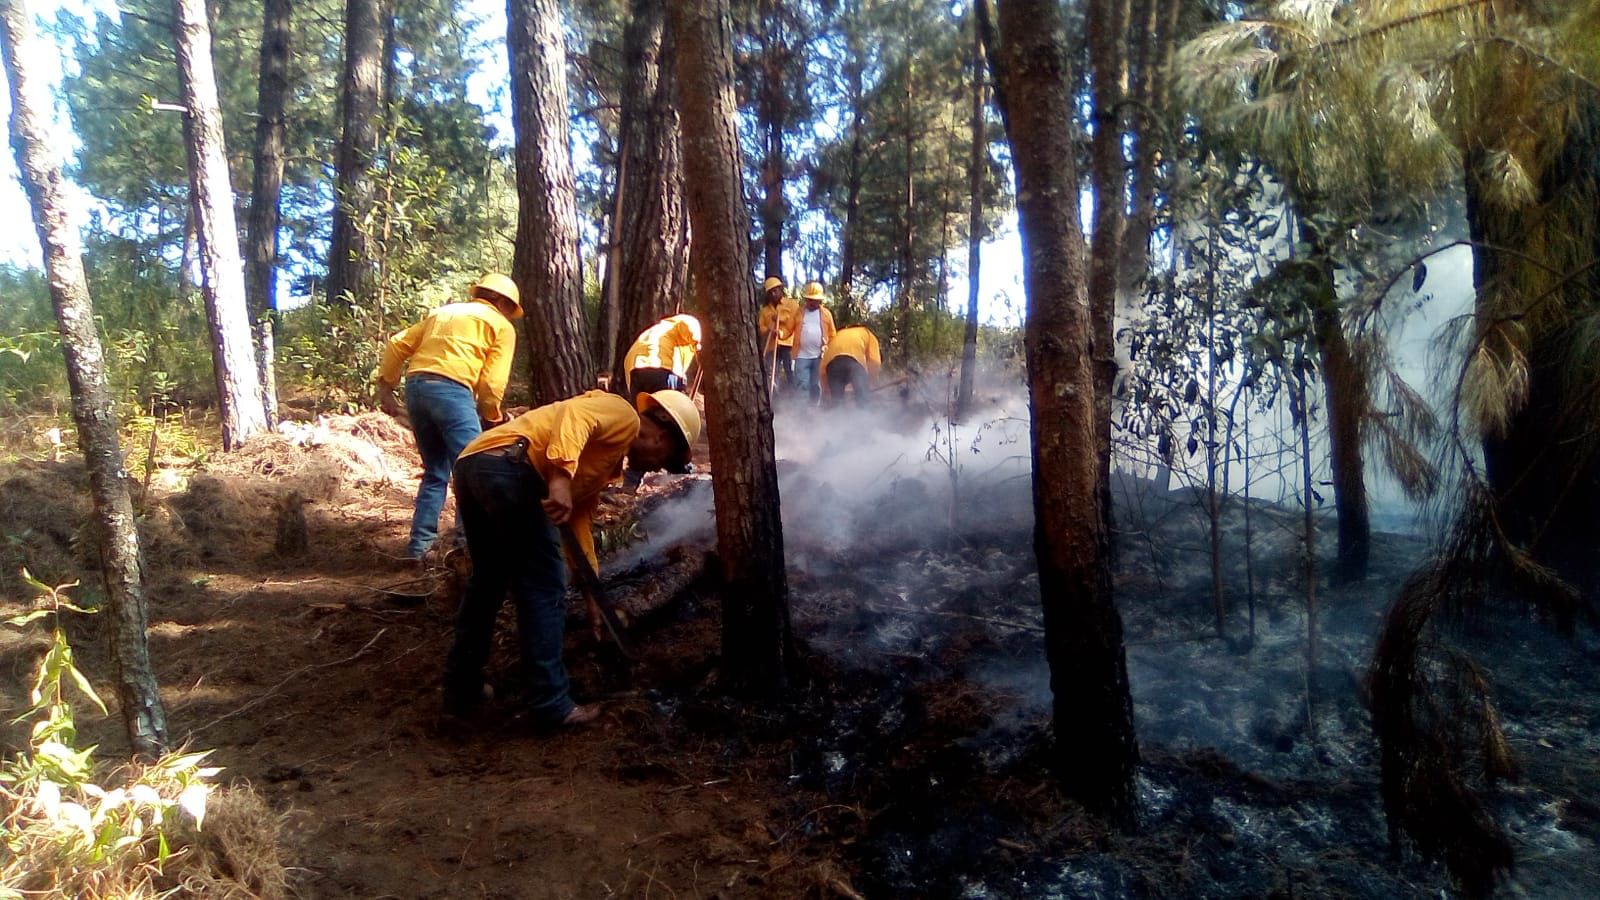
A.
pixel 517 449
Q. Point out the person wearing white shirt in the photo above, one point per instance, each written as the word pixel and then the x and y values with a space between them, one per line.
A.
pixel 812 335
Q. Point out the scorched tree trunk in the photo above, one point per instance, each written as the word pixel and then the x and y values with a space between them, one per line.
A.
pixel 756 643
pixel 1096 753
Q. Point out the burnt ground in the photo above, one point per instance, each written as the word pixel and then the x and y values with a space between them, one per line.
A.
pixel 910 761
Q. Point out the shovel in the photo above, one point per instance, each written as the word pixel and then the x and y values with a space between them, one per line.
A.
pixel 589 582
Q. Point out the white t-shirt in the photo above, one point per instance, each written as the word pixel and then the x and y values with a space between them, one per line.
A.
pixel 810 343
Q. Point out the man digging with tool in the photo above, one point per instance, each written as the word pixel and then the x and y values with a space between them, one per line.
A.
pixel 515 486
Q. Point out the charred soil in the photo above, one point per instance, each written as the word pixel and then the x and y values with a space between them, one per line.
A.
pixel 912 758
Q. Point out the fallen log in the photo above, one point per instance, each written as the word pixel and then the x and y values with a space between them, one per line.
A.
pixel 656 582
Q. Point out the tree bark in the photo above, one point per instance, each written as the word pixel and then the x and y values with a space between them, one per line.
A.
pixel 773 111
pixel 1107 22
pixel 975 174
pixel 1156 23
pixel 654 226
pixel 350 254
pixel 908 228
pixel 1346 396
pixel 221 268
pixel 855 74
pixel 92 408
pixel 265 189
pixel 1096 753
pixel 757 649
pixel 545 259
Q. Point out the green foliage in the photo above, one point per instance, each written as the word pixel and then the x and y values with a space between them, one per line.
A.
pixel 66 833
pixel 921 42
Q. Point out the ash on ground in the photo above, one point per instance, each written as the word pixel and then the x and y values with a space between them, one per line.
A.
pixel 926 722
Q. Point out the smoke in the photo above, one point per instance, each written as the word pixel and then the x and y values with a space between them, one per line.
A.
pixel 902 465
pixel 899 469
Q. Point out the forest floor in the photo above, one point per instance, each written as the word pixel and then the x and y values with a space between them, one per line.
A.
pixel 910 760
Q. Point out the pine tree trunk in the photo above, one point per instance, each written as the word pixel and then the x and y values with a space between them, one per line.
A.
pixel 908 228
pixel 350 254
pixel 1107 26
pixel 92 408
pixel 1096 753
pixel 654 226
pixel 266 187
pixel 1156 23
pixel 221 268
pixel 545 259
pixel 773 112
pixel 757 651
pixel 1345 395
pixel 847 230
pixel 975 173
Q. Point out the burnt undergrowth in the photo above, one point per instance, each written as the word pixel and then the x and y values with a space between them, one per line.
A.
pixel 918 746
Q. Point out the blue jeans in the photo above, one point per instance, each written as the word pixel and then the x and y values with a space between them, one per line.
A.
pixel 514 547
pixel 444 418
pixel 807 378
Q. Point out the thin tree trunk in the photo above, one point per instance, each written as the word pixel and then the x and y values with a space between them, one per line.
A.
pixel 1309 560
pixel 545 258
pixel 1213 500
pixel 1096 753
pixel 608 319
pixel 654 226
pixel 265 190
pixel 908 227
pixel 1107 26
pixel 757 651
pixel 854 174
pixel 976 168
pixel 1346 393
pixel 350 254
pixel 773 111
pixel 221 268
pixel 92 408
pixel 1156 23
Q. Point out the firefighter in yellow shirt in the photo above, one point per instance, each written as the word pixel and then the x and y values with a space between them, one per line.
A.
pixel 660 357
pixel 460 358
pixel 852 361
pixel 514 485
pixel 775 325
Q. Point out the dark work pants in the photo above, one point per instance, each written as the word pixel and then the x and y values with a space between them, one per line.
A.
pixel 650 380
pixel 844 371
pixel 514 548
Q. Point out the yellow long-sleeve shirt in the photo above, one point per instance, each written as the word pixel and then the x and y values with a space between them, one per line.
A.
pixel 469 343
pixel 784 316
pixel 668 344
pixel 857 342
pixel 585 437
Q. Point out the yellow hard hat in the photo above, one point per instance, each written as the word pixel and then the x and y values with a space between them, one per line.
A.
pixel 502 285
pixel 772 281
pixel 813 291
pixel 678 406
